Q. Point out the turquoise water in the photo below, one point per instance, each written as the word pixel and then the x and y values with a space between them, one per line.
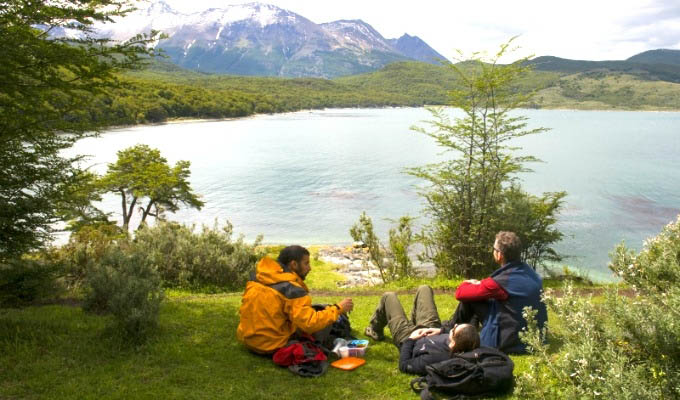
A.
pixel 305 177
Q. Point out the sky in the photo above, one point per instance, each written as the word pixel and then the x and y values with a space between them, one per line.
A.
pixel 576 29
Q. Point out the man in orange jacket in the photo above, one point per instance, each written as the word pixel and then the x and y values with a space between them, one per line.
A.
pixel 276 303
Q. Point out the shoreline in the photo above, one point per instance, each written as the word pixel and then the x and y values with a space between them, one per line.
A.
pixel 354 264
pixel 185 120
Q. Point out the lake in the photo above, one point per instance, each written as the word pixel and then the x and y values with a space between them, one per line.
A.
pixel 305 177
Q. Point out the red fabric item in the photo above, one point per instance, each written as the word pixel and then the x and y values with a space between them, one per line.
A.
pixel 484 290
pixel 298 353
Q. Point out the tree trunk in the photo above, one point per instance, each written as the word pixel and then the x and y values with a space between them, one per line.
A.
pixel 128 216
pixel 147 210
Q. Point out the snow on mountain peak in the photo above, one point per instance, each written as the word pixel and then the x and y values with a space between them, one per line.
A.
pixel 262 14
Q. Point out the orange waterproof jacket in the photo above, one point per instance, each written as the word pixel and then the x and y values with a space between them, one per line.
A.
pixel 274 305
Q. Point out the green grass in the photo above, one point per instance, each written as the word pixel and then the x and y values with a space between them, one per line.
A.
pixel 59 352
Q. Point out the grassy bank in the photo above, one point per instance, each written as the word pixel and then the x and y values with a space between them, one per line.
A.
pixel 60 352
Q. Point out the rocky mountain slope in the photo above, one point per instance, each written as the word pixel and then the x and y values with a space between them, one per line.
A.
pixel 262 39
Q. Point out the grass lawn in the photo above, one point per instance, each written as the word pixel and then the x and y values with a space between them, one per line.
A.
pixel 60 352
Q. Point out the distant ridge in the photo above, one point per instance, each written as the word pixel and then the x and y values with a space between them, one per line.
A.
pixel 633 66
pixel 659 56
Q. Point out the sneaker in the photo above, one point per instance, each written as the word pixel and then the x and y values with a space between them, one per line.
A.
pixel 370 332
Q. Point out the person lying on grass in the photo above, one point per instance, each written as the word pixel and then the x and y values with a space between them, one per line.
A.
pixel 423 339
pixel 276 303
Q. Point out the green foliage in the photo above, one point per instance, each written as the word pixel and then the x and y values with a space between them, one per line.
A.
pixel 467 195
pixel 362 231
pixel 139 173
pixel 553 276
pixel 624 348
pixel 23 281
pixel 85 249
pixel 128 287
pixel 165 91
pixel 657 268
pixel 77 209
pixel 393 264
pixel 208 260
pixel 533 218
pixel 647 69
pixel 400 240
pixel 46 88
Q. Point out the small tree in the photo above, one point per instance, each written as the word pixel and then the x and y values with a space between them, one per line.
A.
pixel 362 231
pixel 142 174
pixel 391 264
pixel 400 241
pixel 467 193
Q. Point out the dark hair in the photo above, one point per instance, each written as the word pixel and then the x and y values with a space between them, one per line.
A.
pixel 510 245
pixel 292 253
pixel 465 338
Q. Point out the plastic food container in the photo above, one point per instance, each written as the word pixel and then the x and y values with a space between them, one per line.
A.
pixel 353 348
pixel 352 351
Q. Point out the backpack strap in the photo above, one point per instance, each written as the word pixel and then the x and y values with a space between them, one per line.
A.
pixel 418 384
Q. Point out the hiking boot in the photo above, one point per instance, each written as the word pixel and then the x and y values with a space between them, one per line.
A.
pixel 370 332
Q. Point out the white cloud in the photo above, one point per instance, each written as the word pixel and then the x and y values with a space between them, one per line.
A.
pixel 579 29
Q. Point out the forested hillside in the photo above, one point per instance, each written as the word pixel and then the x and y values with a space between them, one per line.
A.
pixel 164 91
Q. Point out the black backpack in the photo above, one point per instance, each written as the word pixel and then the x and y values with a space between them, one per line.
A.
pixel 341 328
pixel 478 373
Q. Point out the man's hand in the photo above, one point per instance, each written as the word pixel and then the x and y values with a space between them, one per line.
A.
pixel 417 334
pixel 346 305
pixel 472 281
pixel 433 331
pixel 422 332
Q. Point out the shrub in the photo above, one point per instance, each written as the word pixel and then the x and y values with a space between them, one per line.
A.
pixel 85 249
pixel 24 281
pixel 624 347
pixel 393 264
pixel 207 259
pixel 126 286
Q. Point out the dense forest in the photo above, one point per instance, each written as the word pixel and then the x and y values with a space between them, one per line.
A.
pixel 163 91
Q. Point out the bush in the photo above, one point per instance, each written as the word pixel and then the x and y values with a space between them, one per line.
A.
pixel 24 281
pixel 624 347
pixel 85 249
pixel 126 286
pixel 207 259
pixel 393 264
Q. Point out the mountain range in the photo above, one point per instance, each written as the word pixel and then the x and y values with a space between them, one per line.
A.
pixel 262 39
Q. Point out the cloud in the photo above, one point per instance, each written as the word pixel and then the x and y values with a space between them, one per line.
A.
pixel 655 25
pixel 653 13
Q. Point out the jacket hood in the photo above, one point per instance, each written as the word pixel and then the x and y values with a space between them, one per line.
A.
pixel 269 272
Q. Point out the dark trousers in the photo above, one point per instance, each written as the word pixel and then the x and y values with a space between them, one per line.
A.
pixel 391 313
pixel 472 312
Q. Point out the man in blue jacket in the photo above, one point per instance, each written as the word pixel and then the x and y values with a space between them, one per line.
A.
pixel 498 301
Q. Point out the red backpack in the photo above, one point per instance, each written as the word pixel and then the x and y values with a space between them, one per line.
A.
pixel 302 357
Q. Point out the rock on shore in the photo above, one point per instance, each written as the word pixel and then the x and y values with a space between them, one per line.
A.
pixel 354 264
